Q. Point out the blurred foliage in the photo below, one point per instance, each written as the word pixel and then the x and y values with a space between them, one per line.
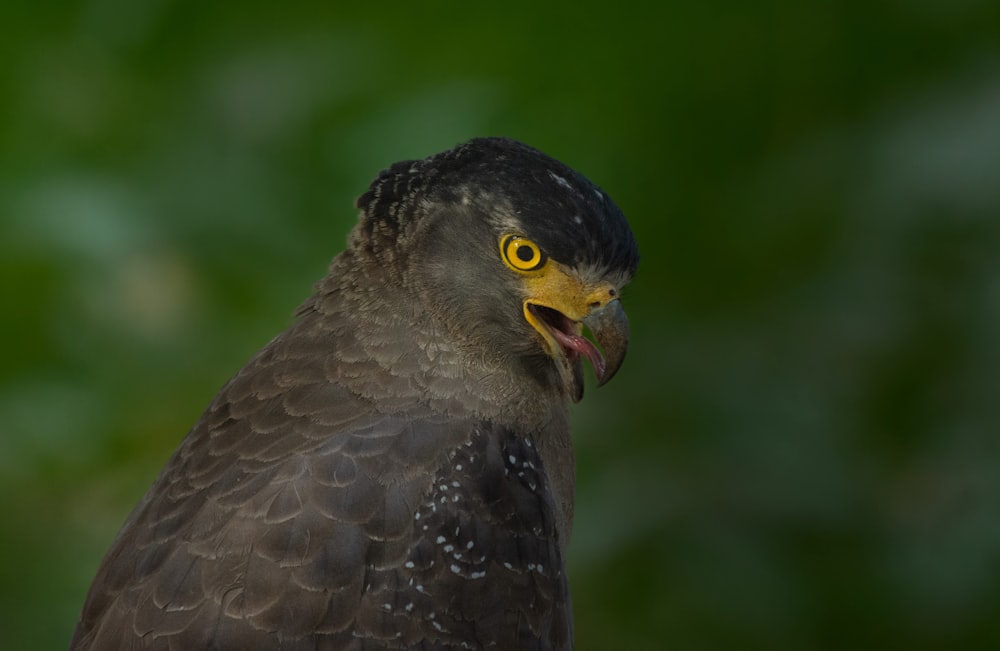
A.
pixel 802 451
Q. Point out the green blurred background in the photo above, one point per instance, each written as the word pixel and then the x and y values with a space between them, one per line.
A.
pixel 803 450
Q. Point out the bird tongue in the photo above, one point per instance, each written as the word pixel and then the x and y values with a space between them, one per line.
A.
pixel 582 346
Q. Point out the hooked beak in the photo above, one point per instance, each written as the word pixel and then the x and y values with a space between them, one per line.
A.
pixel 560 308
pixel 609 326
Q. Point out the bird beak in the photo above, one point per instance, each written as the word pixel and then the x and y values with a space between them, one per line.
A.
pixel 559 306
pixel 609 326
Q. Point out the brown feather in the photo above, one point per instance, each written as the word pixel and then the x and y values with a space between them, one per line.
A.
pixel 385 474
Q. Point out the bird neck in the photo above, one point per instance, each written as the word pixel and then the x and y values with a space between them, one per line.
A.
pixel 394 351
pixel 389 350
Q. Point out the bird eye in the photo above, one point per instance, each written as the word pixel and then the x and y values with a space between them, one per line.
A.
pixel 521 254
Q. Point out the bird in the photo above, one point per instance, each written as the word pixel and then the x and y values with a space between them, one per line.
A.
pixel 395 469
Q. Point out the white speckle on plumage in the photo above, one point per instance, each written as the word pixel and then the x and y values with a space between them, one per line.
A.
pixel 416 516
pixel 448 549
pixel 455 498
pixel 456 569
pixel 409 607
pixel 508 565
pixel 470 545
pixel 560 180
pixel 458 466
pixel 440 540
pixel 578 220
pixel 387 606
pixel 438 627
pixel 420 587
pixel 443 487
pixel 477 575
pixel 455 484
pixel 408 565
pixel 512 459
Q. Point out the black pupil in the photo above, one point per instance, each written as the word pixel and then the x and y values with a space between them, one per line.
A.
pixel 525 254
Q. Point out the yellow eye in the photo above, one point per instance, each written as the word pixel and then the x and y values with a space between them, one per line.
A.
pixel 521 254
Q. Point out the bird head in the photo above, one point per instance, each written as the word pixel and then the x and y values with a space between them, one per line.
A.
pixel 513 253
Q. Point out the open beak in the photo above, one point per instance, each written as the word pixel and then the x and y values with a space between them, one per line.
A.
pixel 609 326
pixel 559 310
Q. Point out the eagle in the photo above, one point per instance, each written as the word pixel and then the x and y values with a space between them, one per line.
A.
pixel 395 469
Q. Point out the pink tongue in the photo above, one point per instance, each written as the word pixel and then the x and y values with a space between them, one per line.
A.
pixel 585 348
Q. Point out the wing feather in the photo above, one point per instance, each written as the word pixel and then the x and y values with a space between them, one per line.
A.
pixel 297 516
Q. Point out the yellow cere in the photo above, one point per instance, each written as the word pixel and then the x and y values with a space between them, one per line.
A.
pixel 559 288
